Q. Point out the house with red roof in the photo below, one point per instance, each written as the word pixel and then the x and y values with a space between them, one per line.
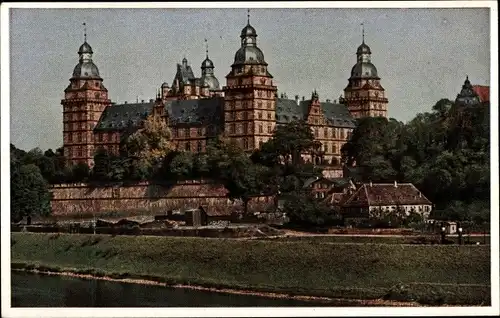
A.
pixel 372 198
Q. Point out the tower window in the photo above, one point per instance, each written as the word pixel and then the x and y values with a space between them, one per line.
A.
pixel 269 129
pixel 334 149
pixel 231 129
pixel 245 115
pixel 245 143
pixel 186 146
pixel 96 84
pixel 186 133
pixel 261 143
pixel 199 132
pixel 199 147
pixel 245 128
pixel 79 137
pixel 259 114
pixel 269 115
pixel 261 130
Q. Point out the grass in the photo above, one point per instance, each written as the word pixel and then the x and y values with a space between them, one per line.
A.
pixel 425 273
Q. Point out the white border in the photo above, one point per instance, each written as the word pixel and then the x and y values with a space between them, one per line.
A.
pixel 246 312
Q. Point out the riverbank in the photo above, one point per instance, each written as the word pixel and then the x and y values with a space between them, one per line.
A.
pixel 423 274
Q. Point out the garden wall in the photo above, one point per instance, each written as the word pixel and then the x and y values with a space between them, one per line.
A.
pixel 85 200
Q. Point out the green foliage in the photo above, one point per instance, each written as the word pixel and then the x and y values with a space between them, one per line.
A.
pixel 445 153
pixel 29 191
pixel 305 210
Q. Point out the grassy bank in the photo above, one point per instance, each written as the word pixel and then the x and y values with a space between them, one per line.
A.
pixel 429 274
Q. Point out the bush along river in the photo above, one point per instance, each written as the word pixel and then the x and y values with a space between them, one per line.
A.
pixel 39 290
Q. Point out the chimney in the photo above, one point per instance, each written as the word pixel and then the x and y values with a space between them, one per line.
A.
pixel 303 98
pixel 125 102
pixel 328 100
pixel 335 101
pixel 395 184
pixel 151 100
pixel 297 99
pixel 142 101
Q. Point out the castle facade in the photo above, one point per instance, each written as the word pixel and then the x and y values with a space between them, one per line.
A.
pixel 246 109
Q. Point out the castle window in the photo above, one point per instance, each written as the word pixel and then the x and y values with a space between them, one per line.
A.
pixel 199 146
pixel 269 115
pixel 341 134
pixel 261 130
pixel 245 115
pixel 96 84
pixel 245 143
pixel 97 95
pixel 99 137
pixel 334 133
pixel 269 129
pixel 176 132
pixel 259 104
pixel 259 114
pixel 259 93
pixel 334 148
pixel 79 137
pixel 199 132
pixel 186 133
pixel 316 132
pixel 245 128
pixel 70 137
pixel 232 129
pixel 261 143
pixel 186 146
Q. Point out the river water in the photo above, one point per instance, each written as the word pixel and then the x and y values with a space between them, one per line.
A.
pixel 34 290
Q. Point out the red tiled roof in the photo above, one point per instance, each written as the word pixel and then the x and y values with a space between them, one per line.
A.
pixel 386 194
pixel 483 92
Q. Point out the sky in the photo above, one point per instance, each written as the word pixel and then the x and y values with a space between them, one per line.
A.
pixel 422 55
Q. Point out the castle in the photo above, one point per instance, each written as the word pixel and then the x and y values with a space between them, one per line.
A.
pixel 246 110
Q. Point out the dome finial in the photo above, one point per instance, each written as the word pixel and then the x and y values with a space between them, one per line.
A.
pixel 363 32
pixel 248 16
pixel 206 48
pixel 84 32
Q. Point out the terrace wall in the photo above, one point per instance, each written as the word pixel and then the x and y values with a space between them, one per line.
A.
pixel 85 200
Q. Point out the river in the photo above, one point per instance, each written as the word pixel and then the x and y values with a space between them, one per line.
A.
pixel 35 290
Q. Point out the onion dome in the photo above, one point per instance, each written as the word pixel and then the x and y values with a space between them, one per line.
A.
pixel 363 49
pixel 85 48
pixel 248 30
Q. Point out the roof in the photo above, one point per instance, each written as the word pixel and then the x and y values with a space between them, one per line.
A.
pixel 196 111
pixel 337 115
pixel 483 92
pixel 118 117
pixel 377 194
pixel 184 73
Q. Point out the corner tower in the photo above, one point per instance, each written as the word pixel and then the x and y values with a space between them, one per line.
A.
pixel 84 101
pixel 207 74
pixel 364 95
pixel 249 95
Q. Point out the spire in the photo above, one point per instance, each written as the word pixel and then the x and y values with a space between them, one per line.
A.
pixel 84 32
pixel 248 16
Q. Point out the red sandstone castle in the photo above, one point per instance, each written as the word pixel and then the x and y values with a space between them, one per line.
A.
pixel 247 109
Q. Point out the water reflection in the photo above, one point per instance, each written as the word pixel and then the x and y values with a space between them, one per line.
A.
pixel 32 290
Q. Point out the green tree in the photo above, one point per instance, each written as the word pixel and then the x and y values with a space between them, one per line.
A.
pixel 29 191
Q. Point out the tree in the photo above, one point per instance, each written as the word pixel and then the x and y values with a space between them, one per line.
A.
pixel 29 192
pixel 303 209
pixel 290 141
pixel 149 144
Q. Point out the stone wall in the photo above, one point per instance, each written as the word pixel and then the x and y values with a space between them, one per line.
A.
pixel 85 200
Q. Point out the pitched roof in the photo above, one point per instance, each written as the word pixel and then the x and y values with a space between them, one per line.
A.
pixel 287 110
pixel 118 117
pixel 483 92
pixel 386 194
pixel 196 111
